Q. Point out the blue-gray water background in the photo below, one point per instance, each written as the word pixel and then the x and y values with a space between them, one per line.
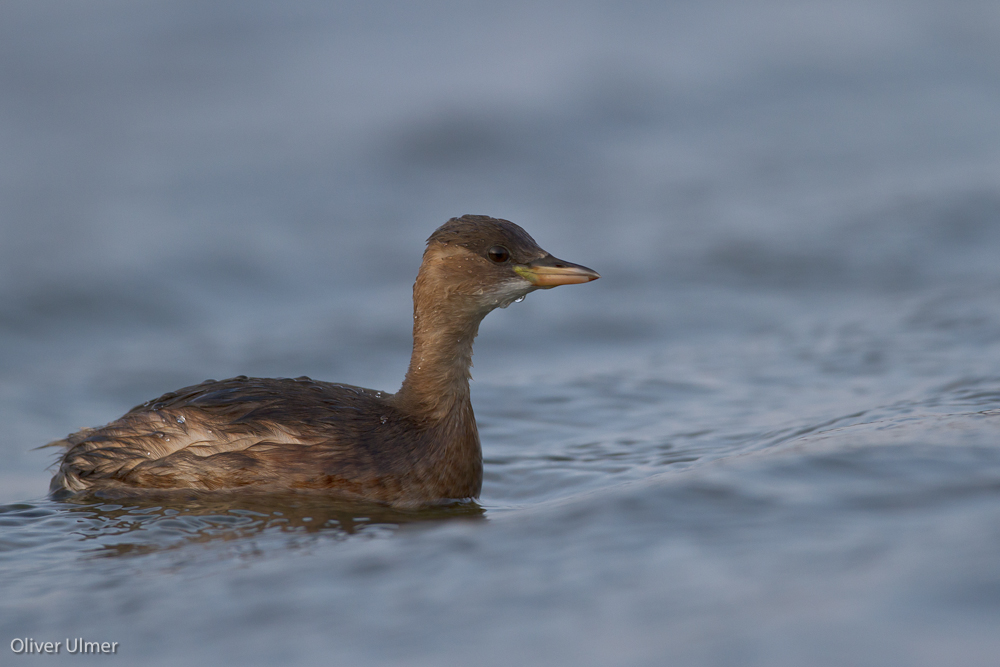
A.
pixel 769 435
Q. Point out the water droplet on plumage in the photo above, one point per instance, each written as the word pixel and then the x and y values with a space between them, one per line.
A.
pixel 521 298
pixel 180 419
pixel 383 419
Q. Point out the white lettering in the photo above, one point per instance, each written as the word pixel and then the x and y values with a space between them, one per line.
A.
pixel 75 645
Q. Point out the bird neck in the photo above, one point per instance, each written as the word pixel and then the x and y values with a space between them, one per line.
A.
pixel 445 324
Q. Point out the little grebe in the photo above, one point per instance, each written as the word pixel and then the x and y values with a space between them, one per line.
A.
pixel 416 446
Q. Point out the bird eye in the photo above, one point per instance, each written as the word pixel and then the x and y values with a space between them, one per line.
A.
pixel 498 254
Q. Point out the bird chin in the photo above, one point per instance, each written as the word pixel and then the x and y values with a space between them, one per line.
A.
pixel 512 291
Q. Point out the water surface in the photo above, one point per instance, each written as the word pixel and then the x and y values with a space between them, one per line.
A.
pixel 769 435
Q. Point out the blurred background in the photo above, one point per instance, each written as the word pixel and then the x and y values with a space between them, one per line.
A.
pixel 192 190
pixel 794 206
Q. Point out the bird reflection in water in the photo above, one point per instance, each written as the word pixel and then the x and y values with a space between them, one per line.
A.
pixel 153 523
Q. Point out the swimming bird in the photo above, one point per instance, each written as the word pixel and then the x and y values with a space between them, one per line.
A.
pixel 417 446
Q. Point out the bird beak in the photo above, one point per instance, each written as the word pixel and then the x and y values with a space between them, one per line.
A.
pixel 551 272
